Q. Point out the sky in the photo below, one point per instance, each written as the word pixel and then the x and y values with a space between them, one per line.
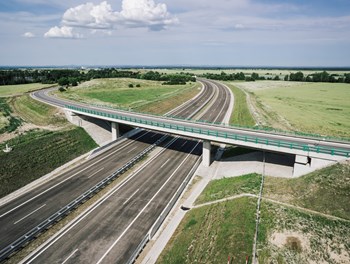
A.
pixel 303 33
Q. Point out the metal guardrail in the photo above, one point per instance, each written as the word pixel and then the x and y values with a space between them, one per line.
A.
pixel 216 133
pixel 157 224
pixel 26 238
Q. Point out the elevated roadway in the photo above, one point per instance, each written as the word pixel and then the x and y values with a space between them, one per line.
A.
pixel 307 147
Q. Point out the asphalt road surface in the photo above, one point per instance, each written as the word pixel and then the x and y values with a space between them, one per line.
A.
pixel 27 211
pixel 111 231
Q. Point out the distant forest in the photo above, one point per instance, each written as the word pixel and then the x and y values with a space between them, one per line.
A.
pixel 295 77
pixel 73 77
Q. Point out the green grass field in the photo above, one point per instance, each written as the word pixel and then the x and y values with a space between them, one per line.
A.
pixel 241 115
pixel 11 90
pixel 35 112
pixel 226 187
pixel 212 233
pixel 320 108
pixel 116 92
pixel 38 153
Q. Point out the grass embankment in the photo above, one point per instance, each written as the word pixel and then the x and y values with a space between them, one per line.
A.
pixel 226 187
pixel 38 153
pixel 286 234
pixel 12 90
pixel 326 191
pixel 241 114
pixel 116 92
pixel 36 112
pixel 210 234
pixel 320 108
pixel 8 122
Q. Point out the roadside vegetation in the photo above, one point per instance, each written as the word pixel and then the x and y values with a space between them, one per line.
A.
pixel 226 187
pixel 8 122
pixel 37 153
pixel 241 114
pixel 34 112
pixel 288 233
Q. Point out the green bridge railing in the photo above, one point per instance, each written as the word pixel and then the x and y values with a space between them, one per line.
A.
pixel 215 133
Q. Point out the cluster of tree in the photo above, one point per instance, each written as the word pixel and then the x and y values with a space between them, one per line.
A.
pixel 318 77
pixel 74 76
pixel 239 76
pixel 170 79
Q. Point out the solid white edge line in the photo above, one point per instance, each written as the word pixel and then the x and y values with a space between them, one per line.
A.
pixel 30 258
pixel 29 214
pixel 144 208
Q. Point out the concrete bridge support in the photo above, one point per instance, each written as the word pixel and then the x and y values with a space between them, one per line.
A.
pixel 206 153
pixel 115 131
pixel 304 165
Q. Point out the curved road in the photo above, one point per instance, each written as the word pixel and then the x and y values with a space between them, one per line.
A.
pixel 24 213
pixel 111 231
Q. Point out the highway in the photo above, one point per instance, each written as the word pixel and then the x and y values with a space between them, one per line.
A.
pixel 110 231
pixel 317 147
pixel 24 213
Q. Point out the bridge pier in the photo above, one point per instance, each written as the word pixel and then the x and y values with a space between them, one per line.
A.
pixel 206 153
pixel 115 131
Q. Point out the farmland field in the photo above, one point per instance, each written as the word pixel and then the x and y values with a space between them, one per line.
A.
pixel 117 92
pixel 11 90
pixel 320 108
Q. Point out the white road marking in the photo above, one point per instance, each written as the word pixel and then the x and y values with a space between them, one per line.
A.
pixel 89 211
pixel 29 214
pixel 71 255
pixel 54 186
pixel 165 163
pixel 131 150
pixel 131 196
pixel 95 173
pixel 144 208
pixel 184 143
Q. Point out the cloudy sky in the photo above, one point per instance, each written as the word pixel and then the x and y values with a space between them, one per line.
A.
pixel 175 32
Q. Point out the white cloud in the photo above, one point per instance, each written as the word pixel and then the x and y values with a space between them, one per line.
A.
pixel 28 35
pixel 134 14
pixel 62 32
pixel 100 16
pixel 146 13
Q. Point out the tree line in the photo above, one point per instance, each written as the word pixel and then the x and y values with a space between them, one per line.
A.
pixel 65 77
pixel 297 77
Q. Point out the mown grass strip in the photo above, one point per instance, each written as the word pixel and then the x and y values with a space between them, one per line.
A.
pixel 241 114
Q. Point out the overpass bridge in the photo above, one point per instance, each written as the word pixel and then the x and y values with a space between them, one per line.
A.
pixel 311 152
